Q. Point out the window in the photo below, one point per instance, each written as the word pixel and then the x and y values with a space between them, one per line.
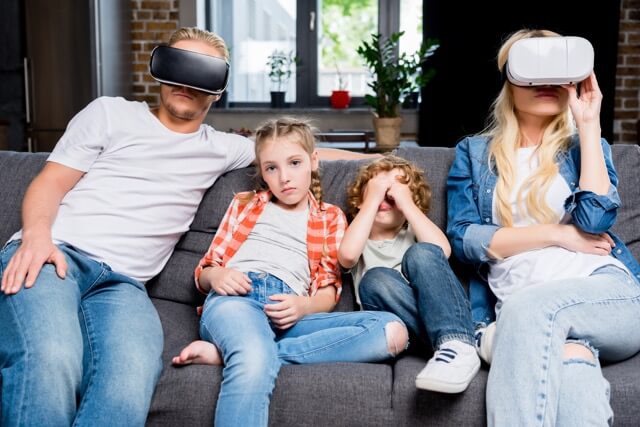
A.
pixel 324 35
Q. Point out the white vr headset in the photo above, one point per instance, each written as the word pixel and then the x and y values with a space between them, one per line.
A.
pixel 539 61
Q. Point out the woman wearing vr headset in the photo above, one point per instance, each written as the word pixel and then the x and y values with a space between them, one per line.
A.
pixel 531 201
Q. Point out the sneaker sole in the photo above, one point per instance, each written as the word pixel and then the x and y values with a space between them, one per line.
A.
pixel 446 387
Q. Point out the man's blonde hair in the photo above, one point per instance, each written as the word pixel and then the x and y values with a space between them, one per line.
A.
pixel 413 176
pixel 193 33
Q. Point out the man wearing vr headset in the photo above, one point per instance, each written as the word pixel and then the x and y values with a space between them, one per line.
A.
pixel 80 341
pixel 531 202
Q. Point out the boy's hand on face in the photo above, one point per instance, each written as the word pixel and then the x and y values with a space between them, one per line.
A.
pixel 401 194
pixel 377 187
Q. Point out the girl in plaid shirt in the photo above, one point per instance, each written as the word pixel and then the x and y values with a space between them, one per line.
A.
pixel 272 277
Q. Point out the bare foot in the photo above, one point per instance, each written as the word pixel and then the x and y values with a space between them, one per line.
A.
pixel 198 352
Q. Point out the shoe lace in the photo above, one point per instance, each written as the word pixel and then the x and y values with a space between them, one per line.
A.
pixel 445 355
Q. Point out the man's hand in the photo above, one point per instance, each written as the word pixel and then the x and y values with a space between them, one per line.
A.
pixel 26 263
pixel 288 311
pixel 227 281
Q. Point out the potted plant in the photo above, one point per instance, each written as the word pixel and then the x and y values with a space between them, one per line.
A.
pixel 280 66
pixel 340 98
pixel 394 77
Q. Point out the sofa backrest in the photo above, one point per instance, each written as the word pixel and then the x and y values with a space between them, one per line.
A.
pixel 175 282
pixel 16 172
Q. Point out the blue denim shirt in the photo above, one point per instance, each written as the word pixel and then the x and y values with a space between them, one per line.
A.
pixel 470 227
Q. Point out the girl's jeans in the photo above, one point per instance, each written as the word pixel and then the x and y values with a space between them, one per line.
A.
pixel 430 301
pixel 530 382
pixel 85 350
pixel 253 349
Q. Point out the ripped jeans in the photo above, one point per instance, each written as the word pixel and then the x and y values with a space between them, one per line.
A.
pixel 531 383
pixel 253 349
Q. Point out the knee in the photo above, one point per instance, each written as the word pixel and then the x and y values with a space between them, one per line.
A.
pixel 54 355
pixel 254 369
pixel 397 337
pixel 374 285
pixel 423 252
pixel 575 350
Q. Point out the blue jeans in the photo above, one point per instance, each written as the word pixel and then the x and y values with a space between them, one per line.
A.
pixel 85 350
pixel 253 349
pixel 427 296
pixel 530 382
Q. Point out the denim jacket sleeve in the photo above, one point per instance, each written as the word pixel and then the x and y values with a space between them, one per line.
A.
pixel 591 212
pixel 469 236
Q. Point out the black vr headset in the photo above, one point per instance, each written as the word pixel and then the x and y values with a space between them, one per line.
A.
pixel 181 67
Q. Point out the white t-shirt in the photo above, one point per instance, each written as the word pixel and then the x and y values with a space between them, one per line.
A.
pixel 382 253
pixel 142 186
pixel 540 265
pixel 277 245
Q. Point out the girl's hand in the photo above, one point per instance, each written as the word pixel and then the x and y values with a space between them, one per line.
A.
pixel 226 281
pixel 576 240
pixel 586 108
pixel 401 194
pixel 288 311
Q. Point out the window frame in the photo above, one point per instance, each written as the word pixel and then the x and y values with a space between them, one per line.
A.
pixel 307 51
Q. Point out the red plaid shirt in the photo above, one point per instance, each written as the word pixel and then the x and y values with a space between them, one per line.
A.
pixel 325 230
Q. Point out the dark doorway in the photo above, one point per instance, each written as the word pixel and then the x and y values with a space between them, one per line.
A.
pixel 457 101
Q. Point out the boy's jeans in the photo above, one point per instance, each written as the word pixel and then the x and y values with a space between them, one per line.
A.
pixel 430 301
pixel 253 349
pixel 530 382
pixel 85 350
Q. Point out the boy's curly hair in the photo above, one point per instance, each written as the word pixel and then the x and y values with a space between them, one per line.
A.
pixel 413 176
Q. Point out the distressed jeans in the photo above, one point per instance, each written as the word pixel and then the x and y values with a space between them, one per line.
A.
pixel 85 350
pixel 427 296
pixel 253 349
pixel 530 382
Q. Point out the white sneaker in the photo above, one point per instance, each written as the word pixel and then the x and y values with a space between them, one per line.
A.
pixel 451 368
pixel 484 342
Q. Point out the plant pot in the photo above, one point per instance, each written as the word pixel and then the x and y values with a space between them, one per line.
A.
pixel 340 99
pixel 277 99
pixel 387 130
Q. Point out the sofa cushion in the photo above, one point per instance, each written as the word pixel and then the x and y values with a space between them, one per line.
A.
pixel 16 172
pixel 309 395
pixel 626 159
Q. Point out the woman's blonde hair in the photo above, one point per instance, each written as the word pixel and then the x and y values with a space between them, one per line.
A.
pixel 504 133
pixel 293 129
pixel 413 176
pixel 193 33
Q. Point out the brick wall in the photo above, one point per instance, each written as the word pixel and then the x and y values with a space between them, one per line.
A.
pixel 152 22
pixel 627 103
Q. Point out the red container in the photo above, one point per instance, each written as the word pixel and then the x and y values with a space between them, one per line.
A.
pixel 340 99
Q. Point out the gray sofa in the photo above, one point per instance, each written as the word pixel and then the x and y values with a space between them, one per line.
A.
pixel 342 394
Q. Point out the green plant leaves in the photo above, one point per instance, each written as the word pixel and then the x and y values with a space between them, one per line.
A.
pixel 394 75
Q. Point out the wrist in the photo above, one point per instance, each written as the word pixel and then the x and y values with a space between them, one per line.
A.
pixel 554 233
pixel 36 232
